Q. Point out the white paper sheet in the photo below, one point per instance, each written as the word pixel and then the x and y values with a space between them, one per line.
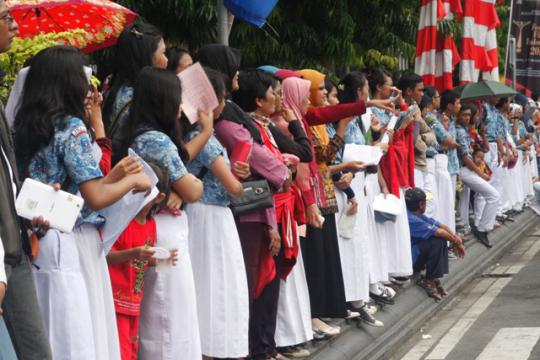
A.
pixel 369 155
pixel 366 119
pixel 390 205
pixel 197 92
pixel 391 125
pixel 119 215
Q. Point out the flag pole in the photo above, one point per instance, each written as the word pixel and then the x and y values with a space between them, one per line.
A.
pixel 222 23
pixel 508 42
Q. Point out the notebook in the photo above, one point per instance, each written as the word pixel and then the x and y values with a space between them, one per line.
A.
pixel 59 208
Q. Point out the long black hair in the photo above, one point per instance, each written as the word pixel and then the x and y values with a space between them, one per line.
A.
pixel 222 58
pixel 349 85
pixel 55 89
pixel 135 49
pixel 156 100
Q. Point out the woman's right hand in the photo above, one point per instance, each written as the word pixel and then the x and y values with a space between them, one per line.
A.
pixel 288 114
pixel 141 183
pixel 206 120
pixel 127 166
pixel 241 170
pixel 313 215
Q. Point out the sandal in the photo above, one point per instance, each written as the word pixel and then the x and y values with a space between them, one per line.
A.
pixel 430 289
pixel 442 291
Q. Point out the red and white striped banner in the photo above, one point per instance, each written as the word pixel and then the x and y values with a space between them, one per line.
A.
pixel 479 44
pixel 436 55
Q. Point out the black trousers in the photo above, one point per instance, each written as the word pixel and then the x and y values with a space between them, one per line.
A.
pixel 263 310
pixel 434 257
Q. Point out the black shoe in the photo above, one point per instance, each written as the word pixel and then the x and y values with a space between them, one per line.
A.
pixel 366 317
pixel 484 239
pixel 382 298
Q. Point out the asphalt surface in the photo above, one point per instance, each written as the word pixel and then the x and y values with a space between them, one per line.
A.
pixel 496 317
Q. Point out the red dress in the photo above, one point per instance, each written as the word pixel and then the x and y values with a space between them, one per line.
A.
pixel 126 281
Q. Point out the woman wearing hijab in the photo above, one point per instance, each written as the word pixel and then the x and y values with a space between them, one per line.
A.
pixel 258 230
pixel 322 263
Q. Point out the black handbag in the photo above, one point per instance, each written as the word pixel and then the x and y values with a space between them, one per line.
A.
pixel 256 196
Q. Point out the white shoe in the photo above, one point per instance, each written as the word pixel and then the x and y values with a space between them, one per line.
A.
pixel 352 315
pixel 318 324
pixel 371 310
pixel 388 291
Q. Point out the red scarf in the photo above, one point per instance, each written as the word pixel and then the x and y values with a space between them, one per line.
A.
pixel 397 165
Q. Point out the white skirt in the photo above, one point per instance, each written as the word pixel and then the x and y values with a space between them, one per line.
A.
pixel 445 213
pixel 354 252
pixel 63 298
pixel 293 324
pixel 98 283
pixel 169 326
pixel 220 281
pixel 377 244
pixel 398 244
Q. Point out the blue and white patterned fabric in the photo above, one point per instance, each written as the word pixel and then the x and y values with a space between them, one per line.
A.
pixel 453 161
pixel 381 114
pixel 214 191
pixel 69 159
pixel 123 97
pixel 157 146
pixel 464 140
pixel 502 126
pixel 430 118
pixel 491 121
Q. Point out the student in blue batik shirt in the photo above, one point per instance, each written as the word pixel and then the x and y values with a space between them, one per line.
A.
pixel 446 162
pixel 214 245
pixel 169 321
pixel 429 244
pixel 476 180
pixel 55 144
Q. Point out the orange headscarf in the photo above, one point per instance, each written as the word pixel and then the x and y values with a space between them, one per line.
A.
pixel 316 78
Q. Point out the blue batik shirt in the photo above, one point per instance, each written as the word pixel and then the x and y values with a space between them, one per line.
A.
pixel 422 228
pixel 492 122
pixel 464 140
pixel 157 146
pixel 69 159
pixel 214 191
pixel 430 120
pixel 382 115
pixel 353 135
pixel 123 97
pixel 502 126
pixel 442 133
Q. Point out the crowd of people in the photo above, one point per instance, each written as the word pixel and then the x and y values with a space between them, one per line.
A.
pixel 255 280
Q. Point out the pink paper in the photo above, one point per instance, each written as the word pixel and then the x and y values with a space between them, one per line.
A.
pixel 197 92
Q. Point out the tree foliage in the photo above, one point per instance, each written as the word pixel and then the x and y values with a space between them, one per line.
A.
pixel 332 34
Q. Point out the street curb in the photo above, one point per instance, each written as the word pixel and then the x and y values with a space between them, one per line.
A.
pixel 413 308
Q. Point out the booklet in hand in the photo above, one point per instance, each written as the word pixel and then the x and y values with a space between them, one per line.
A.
pixel 59 208
pixel 241 152
pixel 197 92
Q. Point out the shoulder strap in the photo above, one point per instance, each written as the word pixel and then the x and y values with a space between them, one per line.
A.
pixel 113 126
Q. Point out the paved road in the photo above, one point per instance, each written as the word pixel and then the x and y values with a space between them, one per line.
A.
pixel 496 317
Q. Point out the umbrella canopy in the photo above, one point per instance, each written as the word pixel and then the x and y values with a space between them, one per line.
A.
pixel 485 89
pixel 101 20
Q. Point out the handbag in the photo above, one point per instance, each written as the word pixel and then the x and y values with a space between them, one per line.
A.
pixel 256 196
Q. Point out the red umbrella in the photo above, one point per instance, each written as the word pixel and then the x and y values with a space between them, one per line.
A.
pixel 101 20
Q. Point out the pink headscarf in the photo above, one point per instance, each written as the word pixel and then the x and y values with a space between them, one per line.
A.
pixel 294 91
pixel 286 73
